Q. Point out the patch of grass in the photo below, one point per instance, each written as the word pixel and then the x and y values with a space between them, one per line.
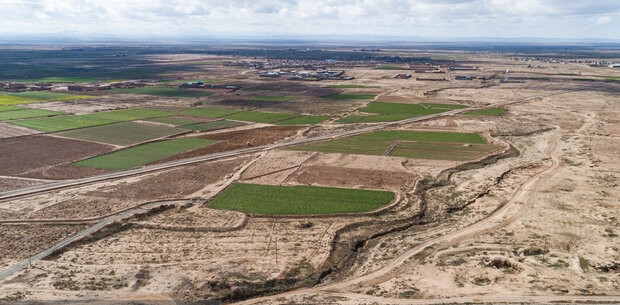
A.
pixel 341 96
pixel 144 154
pixel 221 124
pixel 306 119
pixel 388 117
pixel 392 108
pixel 125 133
pixel 23 113
pixel 63 79
pixel 489 111
pixel 271 98
pixel 350 86
pixel 261 117
pixel 390 112
pixel 352 145
pixel 88 120
pixel 388 67
pixel 210 112
pixel 300 199
pixel 611 77
pixel 163 92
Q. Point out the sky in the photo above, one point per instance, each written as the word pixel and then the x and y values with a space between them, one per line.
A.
pixel 425 19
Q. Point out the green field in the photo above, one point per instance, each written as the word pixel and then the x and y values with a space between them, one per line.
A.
pixel 489 111
pixel 125 133
pixel 206 126
pixel 144 154
pixel 342 96
pixel 261 117
pixel 388 67
pixel 409 144
pixel 272 98
pixel 298 200
pixel 163 92
pixel 10 108
pixel 210 112
pixel 23 113
pixel 87 120
pixel 50 96
pixel 441 151
pixel 171 120
pixel 390 112
pixel 350 86
pixel 36 97
pixel 306 119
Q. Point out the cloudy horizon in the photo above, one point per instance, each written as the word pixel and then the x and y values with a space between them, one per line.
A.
pixel 430 19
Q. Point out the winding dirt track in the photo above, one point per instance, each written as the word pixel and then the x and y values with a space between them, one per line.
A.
pixel 505 214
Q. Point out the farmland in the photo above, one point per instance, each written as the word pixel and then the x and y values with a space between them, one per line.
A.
pixel 213 125
pixel 172 120
pixel 306 119
pixel 88 120
pixel 284 200
pixel 350 86
pixel 389 112
pixel 144 154
pixel 22 113
pixel 163 92
pixel 342 96
pixel 409 144
pixel 210 112
pixel 261 117
pixel 125 133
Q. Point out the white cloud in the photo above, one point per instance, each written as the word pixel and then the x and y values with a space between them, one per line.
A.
pixel 426 18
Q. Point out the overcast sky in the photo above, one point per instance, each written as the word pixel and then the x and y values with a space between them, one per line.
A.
pixel 564 19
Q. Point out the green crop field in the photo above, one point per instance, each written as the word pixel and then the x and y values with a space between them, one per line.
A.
pixel 171 120
pixel 50 96
pixel 489 111
pixel 350 86
pixel 10 108
pixel 342 96
pixel 60 123
pixel 390 112
pixel 214 125
pixel 26 113
pixel 271 98
pixel 261 117
pixel 409 144
pixel 306 119
pixel 210 112
pixel 125 133
pixel 441 151
pixel 388 67
pixel 129 114
pixel 426 136
pixel 299 199
pixel 87 120
pixel 144 154
pixel 163 92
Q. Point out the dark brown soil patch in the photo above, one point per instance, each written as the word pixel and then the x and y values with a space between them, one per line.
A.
pixel 351 177
pixel 239 139
pixel 33 156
